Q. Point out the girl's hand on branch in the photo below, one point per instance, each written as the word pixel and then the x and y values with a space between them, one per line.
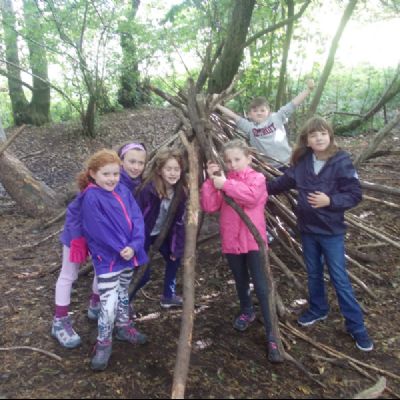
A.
pixel 318 200
pixel 219 180
pixel 212 169
pixel 127 253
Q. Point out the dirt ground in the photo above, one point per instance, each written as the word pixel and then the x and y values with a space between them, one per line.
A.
pixel 224 363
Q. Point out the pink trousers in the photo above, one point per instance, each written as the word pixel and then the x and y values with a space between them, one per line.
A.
pixel 68 275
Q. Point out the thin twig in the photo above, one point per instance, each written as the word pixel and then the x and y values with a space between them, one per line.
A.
pixel 47 353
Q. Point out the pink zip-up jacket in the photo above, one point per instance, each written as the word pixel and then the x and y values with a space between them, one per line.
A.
pixel 248 189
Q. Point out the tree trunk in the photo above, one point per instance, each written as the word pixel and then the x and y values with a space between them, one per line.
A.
pixel 232 53
pixel 36 198
pixel 189 263
pixel 88 120
pixel 282 75
pixel 131 92
pixel 39 108
pixel 19 103
pixel 331 57
pixel 376 141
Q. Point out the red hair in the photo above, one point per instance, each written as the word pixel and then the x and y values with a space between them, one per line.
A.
pixel 94 163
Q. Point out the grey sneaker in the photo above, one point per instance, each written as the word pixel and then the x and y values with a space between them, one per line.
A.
pixel 168 302
pixel 102 351
pixel 128 333
pixel 243 321
pixel 62 330
pixel 94 311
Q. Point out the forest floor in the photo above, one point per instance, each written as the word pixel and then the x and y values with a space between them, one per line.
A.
pixel 224 363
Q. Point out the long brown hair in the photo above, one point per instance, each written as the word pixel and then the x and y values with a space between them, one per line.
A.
pixel 154 172
pixel 312 125
pixel 94 163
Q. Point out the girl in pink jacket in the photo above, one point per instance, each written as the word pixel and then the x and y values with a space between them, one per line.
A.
pixel 247 187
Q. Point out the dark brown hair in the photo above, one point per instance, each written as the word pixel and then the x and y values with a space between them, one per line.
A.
pixel 94 163
pixel 314 124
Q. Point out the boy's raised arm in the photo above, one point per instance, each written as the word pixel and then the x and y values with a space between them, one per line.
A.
pixel 301 96
pixel 226 111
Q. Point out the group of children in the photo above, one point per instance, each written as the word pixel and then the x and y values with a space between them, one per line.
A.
pixel 117 216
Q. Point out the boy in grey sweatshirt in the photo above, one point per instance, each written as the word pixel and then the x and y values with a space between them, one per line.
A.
pixel 265 130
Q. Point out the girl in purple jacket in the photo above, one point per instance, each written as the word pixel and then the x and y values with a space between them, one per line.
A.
pixel 327 185
pixel 154 199
pixel 133 157
pixel 247 187
pixel 114 229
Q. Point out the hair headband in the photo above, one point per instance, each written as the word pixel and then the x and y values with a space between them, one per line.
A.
pixel 131 146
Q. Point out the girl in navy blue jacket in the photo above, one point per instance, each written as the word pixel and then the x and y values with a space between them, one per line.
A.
pixel 327 185
pixel 154 199
pixel 114 229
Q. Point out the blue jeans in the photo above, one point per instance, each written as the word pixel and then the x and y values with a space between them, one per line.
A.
pixel 244 266
pixel 330 248
pixel 171 269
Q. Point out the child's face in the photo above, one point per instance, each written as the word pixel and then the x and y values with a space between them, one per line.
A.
pixel 171 172
pixel 107 177
pixel 134 162
pixel 259 114
pixel 319 141
pixel 236 160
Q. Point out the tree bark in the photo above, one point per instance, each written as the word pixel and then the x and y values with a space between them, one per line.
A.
pixel 36 198
pixel 39 107
pixel 376 141
pixel 331 57
pixel 19 103
pixel 232 52
pixel 189 263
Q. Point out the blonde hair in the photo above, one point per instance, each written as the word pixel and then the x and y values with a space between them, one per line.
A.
pixel 237 144
pixel 94 163
pixel 314 124
pixel 154 173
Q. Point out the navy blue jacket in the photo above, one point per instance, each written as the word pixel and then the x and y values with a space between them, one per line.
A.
pixel 337 179
pixel 149 201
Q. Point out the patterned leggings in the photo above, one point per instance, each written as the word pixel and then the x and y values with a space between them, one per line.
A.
pixel 113 289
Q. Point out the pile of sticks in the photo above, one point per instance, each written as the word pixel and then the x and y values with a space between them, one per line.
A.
pixel 202 133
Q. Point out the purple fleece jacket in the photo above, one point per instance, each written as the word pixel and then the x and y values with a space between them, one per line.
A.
pixel 149 202
pixel 111 221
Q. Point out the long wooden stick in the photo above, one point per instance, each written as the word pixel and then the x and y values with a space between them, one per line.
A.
pixel 47 353
pixel 336 353
pixel 189 263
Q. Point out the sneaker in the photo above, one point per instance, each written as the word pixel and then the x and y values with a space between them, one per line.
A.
pixel 62 330
pixel 102 351
pixel 128 333
pixel 94 311
pixel 174 301
pixel 243 321
pixel 274 354
pixel 309 318
pixel 363 341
